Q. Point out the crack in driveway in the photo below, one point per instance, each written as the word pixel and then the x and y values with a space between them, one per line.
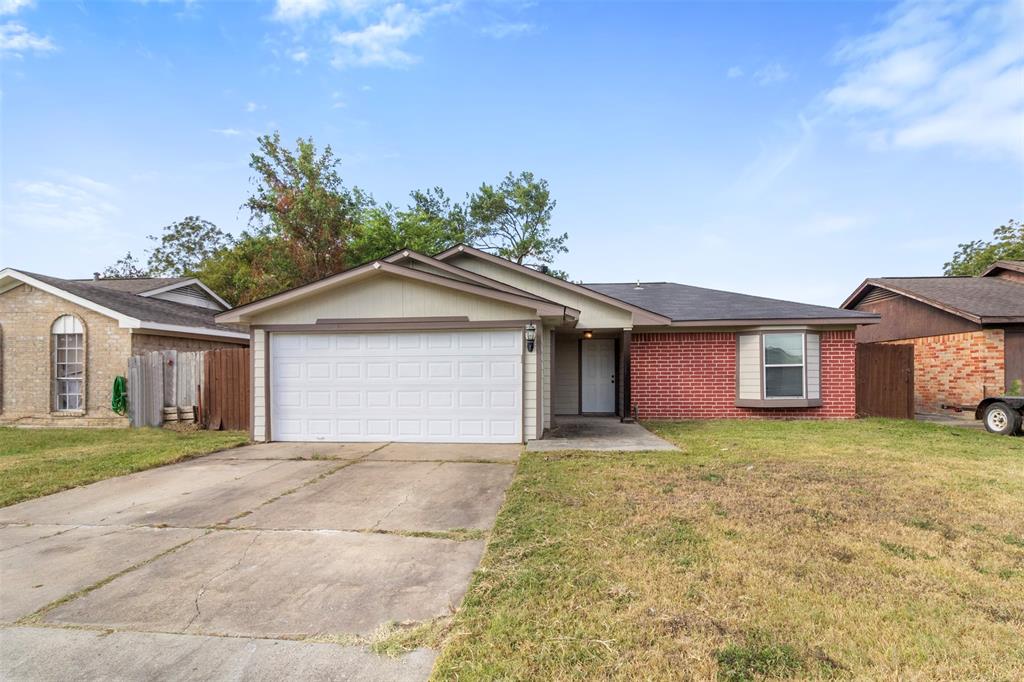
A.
pixel 204 586
pixel 405 499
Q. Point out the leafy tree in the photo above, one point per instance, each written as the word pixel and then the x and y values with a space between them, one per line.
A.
pixel 256 265
pixel 972 258
pixel 432 223
pixel 128 267
pixel 513 220
pixel 185 245
pixel 300 198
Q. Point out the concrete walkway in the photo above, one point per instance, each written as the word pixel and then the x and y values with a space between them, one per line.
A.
pixel 246 564
pixel 598 433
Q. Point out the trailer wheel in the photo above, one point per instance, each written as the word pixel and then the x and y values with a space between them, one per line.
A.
pixel 1002 419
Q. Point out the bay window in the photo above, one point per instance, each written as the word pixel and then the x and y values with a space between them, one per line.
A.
pixel 778 368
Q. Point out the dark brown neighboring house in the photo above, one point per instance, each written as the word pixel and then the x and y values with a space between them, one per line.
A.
pixel 967 332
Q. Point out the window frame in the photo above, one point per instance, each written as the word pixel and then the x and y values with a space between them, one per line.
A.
pixel 784 402
pixel 56 381
pixel 803 365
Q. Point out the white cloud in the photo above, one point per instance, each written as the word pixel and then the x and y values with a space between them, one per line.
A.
pixel 14 6
pixel 770 74
pixel 65 203
pixel 506 29
pixel 227 132
pixel 301 10
pixel 382 43
pixel 15 39
pixel 734 72
pixel 299 55
pixel 252 107
pixel 938 74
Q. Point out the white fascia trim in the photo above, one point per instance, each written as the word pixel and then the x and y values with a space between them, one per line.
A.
pixel 185 283
pixel 182 329
pixel 122 319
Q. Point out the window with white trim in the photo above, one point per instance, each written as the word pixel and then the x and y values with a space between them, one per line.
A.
pixel 68 338
pixel 778 368
pixel 783 365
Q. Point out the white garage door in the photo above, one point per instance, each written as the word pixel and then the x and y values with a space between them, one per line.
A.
pixel 444 387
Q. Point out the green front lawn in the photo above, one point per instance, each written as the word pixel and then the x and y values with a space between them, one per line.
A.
pixel 35 462
pixel 872 549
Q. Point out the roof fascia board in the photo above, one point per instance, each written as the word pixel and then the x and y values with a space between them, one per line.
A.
pixel 843 321
pixel 184 329
pixel 123 320
pixel 539 306
pixel 917 297
pixel 187 282
pixel 1014 266
pixel 641 315
pixel 461 272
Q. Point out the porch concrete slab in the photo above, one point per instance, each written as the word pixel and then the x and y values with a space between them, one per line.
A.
pixel 263 451
pixel 41 564
pixel 408 496
pixel 283 584
pixel 194 493
pixel 59 654
pixel 598 433
pixel 448 452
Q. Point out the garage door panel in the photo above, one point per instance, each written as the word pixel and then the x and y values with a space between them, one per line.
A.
pixel 429 386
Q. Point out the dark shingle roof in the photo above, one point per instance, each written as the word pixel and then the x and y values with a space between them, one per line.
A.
pixel 683 303
pixel 137 285
pixel 978 297
pixel 143 308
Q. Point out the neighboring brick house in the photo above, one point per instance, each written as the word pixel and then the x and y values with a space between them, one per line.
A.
pixel 62 342
pixel 465 346
pixel 967 332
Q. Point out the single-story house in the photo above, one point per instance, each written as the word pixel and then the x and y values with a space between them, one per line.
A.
pixel 63 341
pixel 465 346
pixel 967 332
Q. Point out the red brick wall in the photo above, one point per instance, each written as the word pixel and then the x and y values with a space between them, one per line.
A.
pixel 682 375
pixel 957 369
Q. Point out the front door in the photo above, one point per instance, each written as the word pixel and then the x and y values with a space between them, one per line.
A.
pixel 597 375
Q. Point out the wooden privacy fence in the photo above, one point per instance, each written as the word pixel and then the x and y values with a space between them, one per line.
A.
pixel 226 389
pixel 174 385
pixel 885 380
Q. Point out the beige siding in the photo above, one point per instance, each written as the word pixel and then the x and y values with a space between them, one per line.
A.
pixel 386 296
pixel 529 393
pixel 546 353
pixel 813 366
pixel 749 370
pixel 593 314
pixel 566 377
pixel 259 385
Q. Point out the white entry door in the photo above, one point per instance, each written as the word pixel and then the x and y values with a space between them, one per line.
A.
pixel 597 376
pixel 442 387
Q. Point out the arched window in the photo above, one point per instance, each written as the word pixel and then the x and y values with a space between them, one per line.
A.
pixel 68 364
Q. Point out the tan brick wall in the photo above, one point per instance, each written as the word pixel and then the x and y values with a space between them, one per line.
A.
pixel 144 343
pixel 957 369
pixel 26 315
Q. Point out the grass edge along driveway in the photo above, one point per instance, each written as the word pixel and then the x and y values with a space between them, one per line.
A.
pixel 37 462
pixel 870 549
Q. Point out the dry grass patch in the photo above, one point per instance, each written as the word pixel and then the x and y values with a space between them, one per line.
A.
pixel 863 550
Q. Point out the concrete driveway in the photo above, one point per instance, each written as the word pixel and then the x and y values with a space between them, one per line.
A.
pixel 247 564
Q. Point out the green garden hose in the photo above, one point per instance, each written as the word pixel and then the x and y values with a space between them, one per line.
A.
pixel 119 402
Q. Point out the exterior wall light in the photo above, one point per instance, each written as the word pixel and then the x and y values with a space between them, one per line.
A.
pixel 531 336
pixel 588 334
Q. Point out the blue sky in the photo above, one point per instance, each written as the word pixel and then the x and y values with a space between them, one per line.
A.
pixel 785 149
